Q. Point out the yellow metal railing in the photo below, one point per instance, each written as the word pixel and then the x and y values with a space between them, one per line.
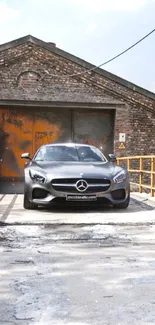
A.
pixel 141 171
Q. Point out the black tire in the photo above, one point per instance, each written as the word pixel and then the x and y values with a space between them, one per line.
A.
pixel 27 204
pixel 123 205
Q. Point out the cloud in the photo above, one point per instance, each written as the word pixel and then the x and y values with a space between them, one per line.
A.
pixel 8 13
pixel 98 6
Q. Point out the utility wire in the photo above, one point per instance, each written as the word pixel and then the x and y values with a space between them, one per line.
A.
pixel 115 57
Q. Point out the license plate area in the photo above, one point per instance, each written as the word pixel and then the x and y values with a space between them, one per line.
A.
pixel 81 198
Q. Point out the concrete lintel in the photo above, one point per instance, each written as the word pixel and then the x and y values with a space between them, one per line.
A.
pixel 55 104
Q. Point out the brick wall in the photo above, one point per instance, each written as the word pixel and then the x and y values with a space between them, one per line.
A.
pixel 30 72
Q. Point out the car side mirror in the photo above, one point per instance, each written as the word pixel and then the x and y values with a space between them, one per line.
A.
pixel 112 157
pixel 26 155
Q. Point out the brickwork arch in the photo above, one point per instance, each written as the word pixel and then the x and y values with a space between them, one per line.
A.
pixel 28 79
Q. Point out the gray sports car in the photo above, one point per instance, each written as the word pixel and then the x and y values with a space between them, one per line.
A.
pixel 65 172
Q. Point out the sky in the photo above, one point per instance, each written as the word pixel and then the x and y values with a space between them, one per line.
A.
pixel 94 30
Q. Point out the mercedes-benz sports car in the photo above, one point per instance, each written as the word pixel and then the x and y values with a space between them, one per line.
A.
pixel 60 173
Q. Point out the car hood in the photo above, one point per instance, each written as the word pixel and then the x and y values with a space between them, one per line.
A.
pixel 76 169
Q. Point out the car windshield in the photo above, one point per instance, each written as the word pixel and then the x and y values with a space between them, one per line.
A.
pixel 69 153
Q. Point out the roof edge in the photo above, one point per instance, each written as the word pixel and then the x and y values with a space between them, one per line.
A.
pixel 16 42
pixel 104 73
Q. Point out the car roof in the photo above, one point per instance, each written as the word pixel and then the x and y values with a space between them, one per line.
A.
pixel 71 144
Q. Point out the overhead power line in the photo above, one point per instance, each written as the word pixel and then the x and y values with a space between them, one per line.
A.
pixel 115 57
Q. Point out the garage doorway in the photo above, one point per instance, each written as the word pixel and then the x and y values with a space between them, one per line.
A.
pixel 26 129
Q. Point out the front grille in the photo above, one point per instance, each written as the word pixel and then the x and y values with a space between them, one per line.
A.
pixel 74 180
pixel 68 185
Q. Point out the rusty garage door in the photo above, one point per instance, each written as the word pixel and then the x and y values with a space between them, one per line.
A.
pixel 25 130
pixel 95 127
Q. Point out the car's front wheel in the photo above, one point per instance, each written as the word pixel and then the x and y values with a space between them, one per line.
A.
pixel 123 205
pixel 27 204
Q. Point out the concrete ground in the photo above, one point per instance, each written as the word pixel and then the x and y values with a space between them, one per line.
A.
pixel 12 212
pixel 77 267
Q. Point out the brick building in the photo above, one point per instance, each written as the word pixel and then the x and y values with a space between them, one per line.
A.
pixel 48 95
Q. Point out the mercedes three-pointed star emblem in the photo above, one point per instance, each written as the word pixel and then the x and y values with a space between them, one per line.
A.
pixel 81 185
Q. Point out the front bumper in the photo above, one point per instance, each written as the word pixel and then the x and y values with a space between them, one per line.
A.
pixel 117 193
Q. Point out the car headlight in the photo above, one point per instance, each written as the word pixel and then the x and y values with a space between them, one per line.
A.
pixel 120 177
pixel 37 176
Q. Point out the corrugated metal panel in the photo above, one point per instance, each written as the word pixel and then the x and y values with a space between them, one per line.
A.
pixel 95 127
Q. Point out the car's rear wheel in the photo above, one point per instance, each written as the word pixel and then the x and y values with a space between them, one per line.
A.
pixel 123 205
pixel 27 204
